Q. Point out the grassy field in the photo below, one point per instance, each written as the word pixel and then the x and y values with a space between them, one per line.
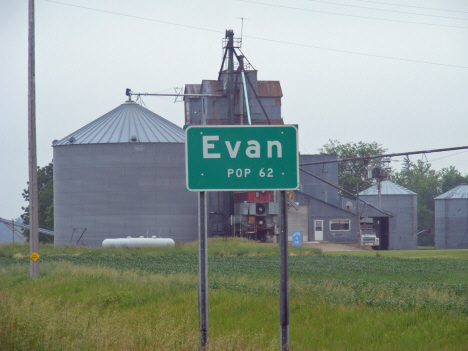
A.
pixel 147 299
pixel 420 253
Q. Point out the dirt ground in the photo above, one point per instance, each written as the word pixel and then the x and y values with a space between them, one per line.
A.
pixel 326 246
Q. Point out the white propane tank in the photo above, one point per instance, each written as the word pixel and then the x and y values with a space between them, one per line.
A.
pixel 121 243
pixel 108 243
pixel 137 243
pixel 141 242
pixel 163 242
pixel 160 242
pixel 133 243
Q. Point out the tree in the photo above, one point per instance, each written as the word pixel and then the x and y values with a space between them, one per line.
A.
pixel 353 172
pixel 450 178
pixel 406 163
pixel 45 185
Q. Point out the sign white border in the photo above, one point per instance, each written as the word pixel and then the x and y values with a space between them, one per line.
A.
pixel 242 126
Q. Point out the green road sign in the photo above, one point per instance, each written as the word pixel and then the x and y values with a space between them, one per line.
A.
pixel 232 158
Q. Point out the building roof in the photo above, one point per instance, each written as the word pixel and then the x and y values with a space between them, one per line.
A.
pixel 387 188
pixel 192 88
pixel 211 87
pixel 459 192
pixel 269 88
pixel 265 88
pixel 127 123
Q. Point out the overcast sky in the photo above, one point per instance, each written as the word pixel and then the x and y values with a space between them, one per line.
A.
pixel 391 71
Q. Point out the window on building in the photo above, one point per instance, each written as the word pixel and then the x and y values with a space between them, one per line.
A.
pixel 339 224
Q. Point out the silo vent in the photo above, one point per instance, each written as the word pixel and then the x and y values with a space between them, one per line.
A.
pixel 55 142
pixel 134 138
pixel 71 139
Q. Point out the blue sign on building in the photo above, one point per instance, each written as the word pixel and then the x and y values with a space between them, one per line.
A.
pixel 297 238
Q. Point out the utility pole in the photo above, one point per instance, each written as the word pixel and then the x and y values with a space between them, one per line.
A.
pixel 33 194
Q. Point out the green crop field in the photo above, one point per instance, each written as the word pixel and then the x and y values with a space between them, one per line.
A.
pixel 147 299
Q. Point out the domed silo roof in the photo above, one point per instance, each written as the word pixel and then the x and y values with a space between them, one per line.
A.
pixel 387 188
pixel 459 192
pixel 127 123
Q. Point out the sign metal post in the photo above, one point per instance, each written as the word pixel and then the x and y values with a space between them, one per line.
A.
pixel 202 272
pixel 284 285
pixel 249 158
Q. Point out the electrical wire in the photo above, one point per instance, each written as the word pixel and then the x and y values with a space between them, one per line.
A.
pixel 461 152
pixel 356 53
pixel 137 17
pixel 412 6
pixel 394 11
pixel 266 39
pixel 347 15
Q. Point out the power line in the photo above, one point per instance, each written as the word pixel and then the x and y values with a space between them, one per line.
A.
pixel 347 15
pixel 394 11
pixel 458 153
pixel 264 39
pixel 355 53
pixel 137 17
pixel 407 153
pixel 411 6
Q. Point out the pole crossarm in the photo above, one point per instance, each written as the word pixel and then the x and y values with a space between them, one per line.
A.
pixel 385 155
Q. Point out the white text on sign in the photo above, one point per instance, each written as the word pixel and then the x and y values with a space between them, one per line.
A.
pixel 245 172
pixel 252 151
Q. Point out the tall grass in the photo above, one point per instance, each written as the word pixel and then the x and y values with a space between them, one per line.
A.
pixel 147 300
pixel 94 308
pixel 420 253
pixel 216 247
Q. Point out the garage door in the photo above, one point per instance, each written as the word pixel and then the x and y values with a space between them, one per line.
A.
pixel 299 220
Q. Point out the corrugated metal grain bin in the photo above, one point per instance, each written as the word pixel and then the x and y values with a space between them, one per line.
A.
pixel 403 204
pixel 451 219
pixel 123 175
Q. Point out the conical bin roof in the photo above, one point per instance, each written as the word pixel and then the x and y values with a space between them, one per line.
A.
pixel 387 188
pixel 459 192
pixel 126 123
